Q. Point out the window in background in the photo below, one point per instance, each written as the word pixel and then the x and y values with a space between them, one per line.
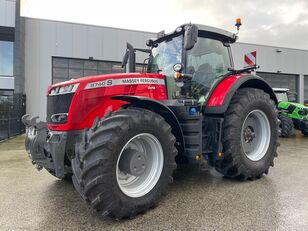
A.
pixel 64 69
pixel 6 58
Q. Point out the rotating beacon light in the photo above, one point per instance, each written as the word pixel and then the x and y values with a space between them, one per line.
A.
pixel 238 23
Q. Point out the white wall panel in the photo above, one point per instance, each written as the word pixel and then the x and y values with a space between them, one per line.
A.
pixel 6 83
pixel 32 73
pixel 94 43
pixel 64 38
pixel 306 88
pixel 7 13
pixel 80 41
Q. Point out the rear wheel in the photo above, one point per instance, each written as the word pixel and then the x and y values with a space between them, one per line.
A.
pixel 250 134
pixel 286 125
pixel 125 162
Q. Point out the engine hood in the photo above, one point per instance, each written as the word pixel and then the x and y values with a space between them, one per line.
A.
pixel 299 105
pixel 87 81
pixel 296 105
pixel 80 101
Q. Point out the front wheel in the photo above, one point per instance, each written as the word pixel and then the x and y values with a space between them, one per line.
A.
pixel 125 162
pixel 286 125
pixel 250 135
pixel 304 130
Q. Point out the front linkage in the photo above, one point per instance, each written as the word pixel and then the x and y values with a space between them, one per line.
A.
pixel 45 148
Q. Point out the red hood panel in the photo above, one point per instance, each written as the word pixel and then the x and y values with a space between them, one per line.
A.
pixel 92 97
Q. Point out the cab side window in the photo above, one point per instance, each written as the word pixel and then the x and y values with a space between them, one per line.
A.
pixel 207 61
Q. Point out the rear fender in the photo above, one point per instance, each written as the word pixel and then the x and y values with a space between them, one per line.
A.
pixel 221 96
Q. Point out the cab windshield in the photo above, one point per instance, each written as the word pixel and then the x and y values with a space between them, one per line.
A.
pixel 162 59
pixel 165 55
pixel 282 96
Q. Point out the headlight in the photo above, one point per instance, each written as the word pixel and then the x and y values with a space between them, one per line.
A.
pixel 64 89
pixel 60 118
pixel 54 91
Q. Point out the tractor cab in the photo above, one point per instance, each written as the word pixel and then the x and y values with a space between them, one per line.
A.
pixel 193 58
pixel 282 94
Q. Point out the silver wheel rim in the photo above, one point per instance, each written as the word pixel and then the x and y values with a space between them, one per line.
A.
pixel 255 135
pixel 152 155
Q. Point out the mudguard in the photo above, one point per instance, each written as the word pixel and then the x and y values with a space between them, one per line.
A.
pixel 159 108
pixel 221 96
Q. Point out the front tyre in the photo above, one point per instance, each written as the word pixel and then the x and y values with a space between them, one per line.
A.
pixel 304 129
pixel 250 135
pixel 125 162
pixel 286 125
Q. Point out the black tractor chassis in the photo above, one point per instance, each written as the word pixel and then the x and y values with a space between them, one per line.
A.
pixel 53 150
pixel 202 134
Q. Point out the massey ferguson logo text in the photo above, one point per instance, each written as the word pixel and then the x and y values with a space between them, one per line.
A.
pixel 141 81
pixel 126 81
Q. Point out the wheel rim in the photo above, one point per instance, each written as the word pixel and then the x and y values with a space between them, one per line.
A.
pixel 256 134
pixel 139 165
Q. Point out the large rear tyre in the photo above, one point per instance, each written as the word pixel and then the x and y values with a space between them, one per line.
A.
pixel 250 135
pixel 286 125
pixel 125 162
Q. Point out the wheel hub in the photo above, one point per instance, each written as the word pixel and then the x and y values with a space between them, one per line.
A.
pixel 256 134
pixel 249 134
pixel 139 165
pixel 133 162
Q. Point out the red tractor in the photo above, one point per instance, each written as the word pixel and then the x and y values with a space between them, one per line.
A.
pixel 120 136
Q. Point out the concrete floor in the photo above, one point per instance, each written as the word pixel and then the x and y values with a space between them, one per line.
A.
pixel 32 200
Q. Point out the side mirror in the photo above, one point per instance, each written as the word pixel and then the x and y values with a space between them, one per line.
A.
pixel 190 36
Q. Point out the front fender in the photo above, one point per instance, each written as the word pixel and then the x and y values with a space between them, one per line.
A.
pixel 159 108
pixel 221 96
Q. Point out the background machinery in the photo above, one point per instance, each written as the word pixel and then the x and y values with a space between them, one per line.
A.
pixel 291 114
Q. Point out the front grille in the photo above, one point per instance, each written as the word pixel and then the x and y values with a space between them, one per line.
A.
pixel 58 104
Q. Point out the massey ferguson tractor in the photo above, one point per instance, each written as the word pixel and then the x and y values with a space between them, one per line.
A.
pixel 120 136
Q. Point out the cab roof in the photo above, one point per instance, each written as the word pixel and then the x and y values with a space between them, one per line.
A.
pixel 203 30
pixel 281 89
pixel 208 31
pixel 218 33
